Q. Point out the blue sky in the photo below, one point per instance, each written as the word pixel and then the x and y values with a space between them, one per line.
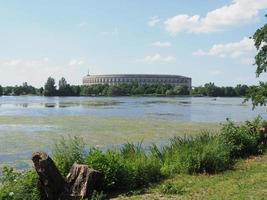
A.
pixel 208 41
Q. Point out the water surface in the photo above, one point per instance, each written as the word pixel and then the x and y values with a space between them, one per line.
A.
pixel 30 124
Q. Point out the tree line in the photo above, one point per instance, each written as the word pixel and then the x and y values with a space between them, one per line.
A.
pixel 63 88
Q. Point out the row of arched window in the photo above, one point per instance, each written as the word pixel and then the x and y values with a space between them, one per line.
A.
pixel 140 80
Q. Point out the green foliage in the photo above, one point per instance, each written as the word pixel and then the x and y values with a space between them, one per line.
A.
pixel 210 89
pixel 98 196
pixel 133 166
pixel 258 94
pixel 110 164
pixel 50 87
pixel 18 186
pixel 260 41
pixel 23 89
pixel 131 89
pixel 68 151
pixel 243 140
pixel 134 89
pixel 116 90
pixel 169 188
pixel 204 153
pixel 129 168
pixel 9 175
pixel 1 90
pixel 143 167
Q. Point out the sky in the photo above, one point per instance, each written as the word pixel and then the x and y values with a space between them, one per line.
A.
pixel 206 40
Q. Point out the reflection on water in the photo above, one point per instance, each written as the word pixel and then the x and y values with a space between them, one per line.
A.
pixel 50 105
pixel 29 123
pixel 176 108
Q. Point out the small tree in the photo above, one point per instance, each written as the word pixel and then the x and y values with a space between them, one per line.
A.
pixel 50 87
pixel 258 94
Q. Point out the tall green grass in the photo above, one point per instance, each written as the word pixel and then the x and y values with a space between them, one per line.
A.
pixel 132 166
pixel 205 153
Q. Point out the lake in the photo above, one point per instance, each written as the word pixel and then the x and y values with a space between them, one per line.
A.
pixel 29 123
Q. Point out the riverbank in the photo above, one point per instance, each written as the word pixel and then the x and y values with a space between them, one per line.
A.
pixel 133 167
pixel 247 180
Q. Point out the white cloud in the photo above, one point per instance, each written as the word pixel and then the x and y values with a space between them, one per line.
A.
pixel 153 21
pixel 157 58
pixel 74 62
pixel 243 50
pixel 237 12
pixel 161 44
pixel 36 71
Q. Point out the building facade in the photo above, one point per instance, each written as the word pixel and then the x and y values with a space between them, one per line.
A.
pixel 114 79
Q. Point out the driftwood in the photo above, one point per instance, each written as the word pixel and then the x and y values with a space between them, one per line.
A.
pixel 80 182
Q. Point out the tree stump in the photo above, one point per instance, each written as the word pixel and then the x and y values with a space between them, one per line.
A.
pixel 51 184
pixel 82 181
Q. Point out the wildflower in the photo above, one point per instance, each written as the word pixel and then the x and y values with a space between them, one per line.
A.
pixel 11 194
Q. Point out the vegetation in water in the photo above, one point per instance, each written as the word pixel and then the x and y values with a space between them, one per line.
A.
pixel 132 166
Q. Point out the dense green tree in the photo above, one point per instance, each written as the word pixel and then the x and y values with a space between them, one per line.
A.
pixel 211 89
pixel 115 90
pixel 64 89
pixel 40 91
pixel 229 92
pixel 50 87
pixel 8 90
pixel 1 90
pixel 76 90
pixel 181 90
pixel 241 90
pixel 258 94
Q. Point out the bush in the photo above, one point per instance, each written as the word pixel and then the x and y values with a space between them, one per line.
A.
pixel 132 166
pixel 144 168
pixel 68 151
pixel 8 175
pixel 243 140
pixel 204 153
pixel 110 164
pixel 17 186
pixel 129 168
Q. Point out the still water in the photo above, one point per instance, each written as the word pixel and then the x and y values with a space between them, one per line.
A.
pixel 30 124
pixel 187 109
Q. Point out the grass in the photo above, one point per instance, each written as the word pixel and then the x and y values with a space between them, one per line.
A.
pixel 193 161
pixel 247 180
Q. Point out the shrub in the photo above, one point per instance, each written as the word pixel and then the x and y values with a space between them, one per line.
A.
pixel 24 186
pixel 68 151
pixel 243 140
pixel 144 168
pixel 110 164
pixel 129 168
pixel 9 175
pixel 204 153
